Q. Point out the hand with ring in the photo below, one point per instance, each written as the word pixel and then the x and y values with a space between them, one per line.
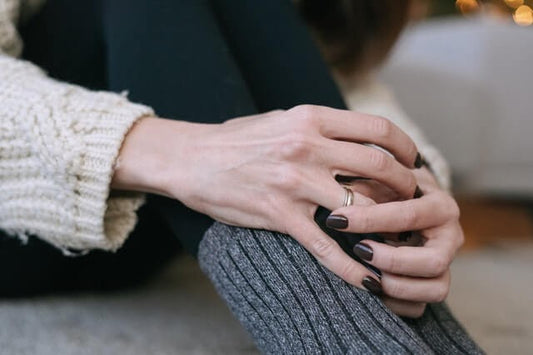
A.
pixel 412 275
pixel 272 171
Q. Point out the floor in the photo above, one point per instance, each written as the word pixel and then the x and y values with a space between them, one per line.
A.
pixel 492 285
pixel 179 313
pixel 486 220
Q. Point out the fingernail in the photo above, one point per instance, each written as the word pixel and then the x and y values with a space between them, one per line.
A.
pixel 337 221
pixel 426 163
pixel 375 270
pixel 419 161
pixel 418 193
pixel 364 251
pixel 372 285
pixel 404 236
pixel 347 180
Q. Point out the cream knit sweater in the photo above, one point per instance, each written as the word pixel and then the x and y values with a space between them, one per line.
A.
pixel 58 145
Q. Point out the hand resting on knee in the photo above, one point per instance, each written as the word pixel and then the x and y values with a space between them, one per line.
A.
pixel 272 170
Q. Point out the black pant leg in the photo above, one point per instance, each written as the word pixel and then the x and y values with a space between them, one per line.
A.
pixel 36 267
pixel 171 55
pixel 275 51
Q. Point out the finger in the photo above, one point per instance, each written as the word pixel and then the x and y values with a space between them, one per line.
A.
pixel 426 261
pixel 355 159
pixel 448 236
pixel 322 190
pixel 374 190
pixel 330 254
pixel 357 127
pixel 404 308
pixel 426 180
pixel 329 194
pixel 426 212
pixel 416 289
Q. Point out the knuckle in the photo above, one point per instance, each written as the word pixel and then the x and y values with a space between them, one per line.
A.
pixel 381 127
pixel 452 210
pixel 443 294
pixel 305 115
pixel 460 239
pixel 363 221
pixel 348 271
pixel 302 109
pixel 294 146
pixel 322 247
pixel 287 178
pixel 440 293
pixel 455 211
pixel 411 181
pixel 409 215
pixel 379 161
pixel 438 265
pixel 396 289
pixel 394 263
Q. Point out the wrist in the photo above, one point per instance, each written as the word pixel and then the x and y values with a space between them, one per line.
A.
pixel 149 155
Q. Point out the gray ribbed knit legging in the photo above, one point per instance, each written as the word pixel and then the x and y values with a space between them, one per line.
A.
pixel 290 304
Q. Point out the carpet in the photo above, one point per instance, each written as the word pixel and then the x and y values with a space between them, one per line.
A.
pixel 179 313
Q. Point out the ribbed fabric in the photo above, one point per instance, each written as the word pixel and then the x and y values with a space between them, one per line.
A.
pixel 439 328
pixel 291 304
pixel 58 145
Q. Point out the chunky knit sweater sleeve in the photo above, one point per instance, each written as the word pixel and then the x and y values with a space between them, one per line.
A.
pixel 58 146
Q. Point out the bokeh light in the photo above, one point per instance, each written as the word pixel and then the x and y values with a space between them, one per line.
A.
pixel 467 6
pixel 521 11
pixel 523 15
pixel 514 3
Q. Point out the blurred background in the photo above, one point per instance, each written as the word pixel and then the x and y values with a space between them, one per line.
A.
pixel 463 71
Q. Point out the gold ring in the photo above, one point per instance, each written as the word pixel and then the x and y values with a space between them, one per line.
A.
pixel 348 197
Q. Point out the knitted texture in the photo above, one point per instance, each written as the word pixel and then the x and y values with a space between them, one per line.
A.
pixel 290 304
pixel 58 145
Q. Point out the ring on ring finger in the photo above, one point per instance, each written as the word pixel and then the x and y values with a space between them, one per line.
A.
pixel 348 197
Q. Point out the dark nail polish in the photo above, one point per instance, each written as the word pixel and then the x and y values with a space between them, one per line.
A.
pixel 337 221
pixel 372 285
pixel 426 163
pixel 375 270
pixel 404 236
pixel 418 193
pixel 347 180
pixel 419 161
pixel 364 251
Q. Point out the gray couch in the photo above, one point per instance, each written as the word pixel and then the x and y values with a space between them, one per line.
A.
pixel 469 84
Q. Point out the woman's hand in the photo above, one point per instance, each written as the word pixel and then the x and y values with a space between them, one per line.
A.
pixel 271 171
pixel 412 275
